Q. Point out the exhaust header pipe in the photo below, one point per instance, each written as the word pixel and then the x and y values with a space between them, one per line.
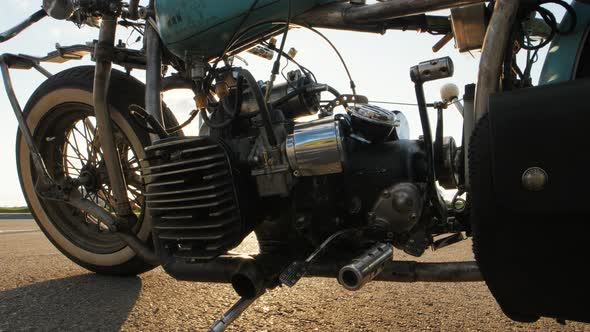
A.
pixel 241 271
pixel 366 267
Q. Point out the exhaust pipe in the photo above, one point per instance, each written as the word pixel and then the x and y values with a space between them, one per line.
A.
pixel 245 274
pixel 366 267
pixel 241 271
pixel 248 282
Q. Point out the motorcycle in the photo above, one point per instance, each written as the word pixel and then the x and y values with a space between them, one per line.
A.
pixel 118 188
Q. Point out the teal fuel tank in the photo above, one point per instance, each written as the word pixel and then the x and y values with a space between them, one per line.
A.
pixel 205 27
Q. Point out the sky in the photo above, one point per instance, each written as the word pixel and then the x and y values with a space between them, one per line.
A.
pixel 379 65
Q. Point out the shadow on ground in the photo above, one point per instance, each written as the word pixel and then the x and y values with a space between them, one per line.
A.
pixel 81 303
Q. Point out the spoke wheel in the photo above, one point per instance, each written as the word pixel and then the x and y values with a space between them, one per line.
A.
pixel 61 118
pixel 71 149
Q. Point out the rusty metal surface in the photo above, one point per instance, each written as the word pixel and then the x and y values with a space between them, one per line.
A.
pixel 400 8
pixel 375 17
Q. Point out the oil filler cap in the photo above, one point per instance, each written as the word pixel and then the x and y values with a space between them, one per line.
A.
pixel 376 124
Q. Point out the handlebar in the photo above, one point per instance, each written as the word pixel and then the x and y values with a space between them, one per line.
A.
pixel 13 32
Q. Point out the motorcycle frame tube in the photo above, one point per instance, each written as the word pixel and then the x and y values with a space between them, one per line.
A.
pixel 153 87
pixel 24 128
pixel 330 17
pixel 134 9
pixel 176 82
pixel 102 77
pixel 494 47
pixel 399 8
pixel 348 16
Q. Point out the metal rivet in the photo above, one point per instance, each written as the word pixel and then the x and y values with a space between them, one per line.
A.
pixel 535 179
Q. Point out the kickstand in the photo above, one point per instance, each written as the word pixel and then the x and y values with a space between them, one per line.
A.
pixel 233 313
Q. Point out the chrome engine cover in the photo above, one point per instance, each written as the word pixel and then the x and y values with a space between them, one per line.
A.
pixel 316 148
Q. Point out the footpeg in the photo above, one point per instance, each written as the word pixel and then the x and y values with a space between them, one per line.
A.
pixel 293 273
pixel 366 267
pixel 448 241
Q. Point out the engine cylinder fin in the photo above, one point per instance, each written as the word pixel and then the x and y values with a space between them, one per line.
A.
pixel 176 142
pixel 189 207
pixel 192 199
pixel 222 211
pixel 216 175
pixel 188 235
pixel 194 255
pixel 220 156
pixel 184 226
pixel 190 170
pixel 216 245
pixel 200 149
pixel 161 184
pixel 181 217
pixel 189 191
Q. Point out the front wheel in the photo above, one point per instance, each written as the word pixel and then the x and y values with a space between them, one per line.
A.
pixel 61 117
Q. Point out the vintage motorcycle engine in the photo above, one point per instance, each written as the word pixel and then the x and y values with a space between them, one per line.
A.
pixel 364 166
pixel 358 169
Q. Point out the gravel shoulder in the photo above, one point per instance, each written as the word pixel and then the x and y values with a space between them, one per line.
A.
pixel 40 290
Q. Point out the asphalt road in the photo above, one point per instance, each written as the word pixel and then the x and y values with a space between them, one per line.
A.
pixel 42 290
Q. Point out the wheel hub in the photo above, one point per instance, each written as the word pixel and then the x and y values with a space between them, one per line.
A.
pixel 89 179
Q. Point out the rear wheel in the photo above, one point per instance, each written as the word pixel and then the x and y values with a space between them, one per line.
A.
pixel 61 118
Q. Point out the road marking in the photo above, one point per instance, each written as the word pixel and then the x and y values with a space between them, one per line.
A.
pixel 16 216
pixel 19 231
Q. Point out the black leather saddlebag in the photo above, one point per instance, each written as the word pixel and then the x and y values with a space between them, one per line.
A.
pixel 530 201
